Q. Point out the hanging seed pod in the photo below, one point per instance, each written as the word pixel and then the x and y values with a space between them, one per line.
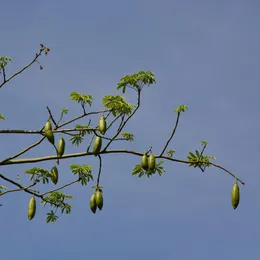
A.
pixel 61 147
pixel 93 204
pixel 99 199
pixel 31 208
pixel 102 125
pixel 151 162
pixel 97 145
pixel 235 195
pixel 144 162
pixel 54 175
pixel 48 132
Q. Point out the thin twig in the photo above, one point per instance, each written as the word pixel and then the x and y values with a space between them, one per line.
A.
pixel 51 117
pixel 22 152
pixel 100 168
pixel 60 188
pixel 16 184
pixel 4 75
pixel 173 132
pixel 20 189
pixel 79 117
pixel 24 68
pixel 113 122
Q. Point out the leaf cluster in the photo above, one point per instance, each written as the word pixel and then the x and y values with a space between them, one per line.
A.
pixel 197 159
pixel 137 80
pixel 39 174
pixel 77 139
pixel 4 61
pixel 56 200
pixel 118 105
pixel 84 172
pixel 80 98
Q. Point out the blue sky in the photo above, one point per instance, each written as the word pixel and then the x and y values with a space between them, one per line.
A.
pixel 204 54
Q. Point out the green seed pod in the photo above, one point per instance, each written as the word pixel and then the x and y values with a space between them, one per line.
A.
pixel 151 162
pixel 144 162
pixel 48 132
pixel 97 145
pixel 31 208
pixel 55 175
pixel 61 147
pixel 235 195
pixel 102 125
pixel 48 126
pixel 93 204
pixel 99 199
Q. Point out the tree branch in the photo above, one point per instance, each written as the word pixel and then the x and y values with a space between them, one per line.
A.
pixel 74 155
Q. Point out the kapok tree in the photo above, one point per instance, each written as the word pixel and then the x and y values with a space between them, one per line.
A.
pixel 113 117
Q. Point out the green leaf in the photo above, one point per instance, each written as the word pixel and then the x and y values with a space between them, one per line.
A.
pixel 170 153
pixel 2 117
pixel 4 61
pixel 51 217
pixel 137 169
pixel 76 139
pixel 197 153
pixel 87 129
pixel 66 208
pixel 203 142
pixel 181 109
pixel 64 111
pixel 192 155
pixel 128 136
pixel 2 188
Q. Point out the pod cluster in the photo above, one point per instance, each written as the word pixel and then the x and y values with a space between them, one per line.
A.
pixel 96 201
pixel 148 162
pixel 102 127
